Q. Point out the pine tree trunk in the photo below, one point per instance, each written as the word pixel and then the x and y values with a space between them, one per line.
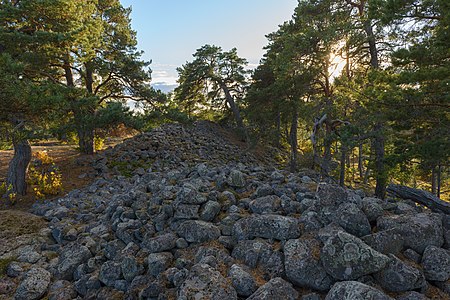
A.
pixel 360 161
pixel 18 167
pixel 294 142
pixel 327 153
pixel 278 133
pixel 342 169
pixel 235 109
pixel 86 140
pixel 438 179
pixel 378 144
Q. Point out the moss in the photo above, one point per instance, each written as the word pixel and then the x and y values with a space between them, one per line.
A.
pixel 127 168
pixel 4 263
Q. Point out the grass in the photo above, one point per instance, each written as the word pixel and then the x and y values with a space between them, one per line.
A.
pixel 17 223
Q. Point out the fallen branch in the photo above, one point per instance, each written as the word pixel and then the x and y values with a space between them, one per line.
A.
pixel 419 196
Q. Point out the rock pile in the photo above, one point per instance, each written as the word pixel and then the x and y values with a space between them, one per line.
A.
pixel 229 230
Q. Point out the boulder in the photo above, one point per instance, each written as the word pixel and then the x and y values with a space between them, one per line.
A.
pixel 330 194
pixel 275 289
pixel 354 290
pixel 302 264
pixel 417 231
pixel 236 179
pixel 198 231
pixel 266 226
pixel 159 262
pixel 436 263
pixel 398 276
pixel 346 257
pixel 71 257
pixel 386 242
pixel 204 282
pixel 265 205
pixel 34 285
pixel 110 272
pixel 160 243
pixel 352 219
pixel 242 281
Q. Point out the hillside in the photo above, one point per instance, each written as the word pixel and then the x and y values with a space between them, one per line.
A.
pixel 190 213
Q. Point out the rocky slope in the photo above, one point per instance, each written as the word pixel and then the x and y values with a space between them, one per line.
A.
pixel 199 218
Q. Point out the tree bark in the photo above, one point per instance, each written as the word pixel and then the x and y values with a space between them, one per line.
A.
pixel 342 169
pixel 278 133
pixel 18 167
pixel 235 109
pixel 360 161
pixel 326 153
pixel 419 196
pixel 86 140
pixel 294 142
pixel 380 172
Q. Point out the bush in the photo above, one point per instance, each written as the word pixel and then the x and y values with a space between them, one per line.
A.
pixel 44 176
pixel 6 190
pixel 99 143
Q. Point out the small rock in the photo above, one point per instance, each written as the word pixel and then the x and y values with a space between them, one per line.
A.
pixel 198 231
pixel 160 243
pixel 14 270
pixel 436 264
pixel 275 289
pixel 210 211
pixel 159 262
pixel 236 179
pixel 243 282
pixel 109 273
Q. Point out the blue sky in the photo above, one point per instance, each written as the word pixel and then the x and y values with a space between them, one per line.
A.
pixel 169 31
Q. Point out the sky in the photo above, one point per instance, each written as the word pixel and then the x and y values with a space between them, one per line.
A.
pixel 170 31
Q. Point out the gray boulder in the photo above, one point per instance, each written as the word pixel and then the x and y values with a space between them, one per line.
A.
pixel 186 211
pixel 352 219
pixel 330 194
pixel 251 252
pixel 131 268
pixel 160 243
pixel 198 231
pixel 62 290
pixel 275 289
pixel 436 264
pixel 188 195
pixel 236 179
pixel 398 276
pixel 372 208
pixel 303 266
pixel 354 290
pixel 210 211
pixel 110 272
pixel 386 242
pixel 417 231
pixel 159 262
pixel 266 226
pixel 242 281
pixel 265 205
pixel 34 285
pixel 345 257
pixel 204 282
pixel 71 257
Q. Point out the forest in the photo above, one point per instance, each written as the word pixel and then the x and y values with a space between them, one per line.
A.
pixel 357 90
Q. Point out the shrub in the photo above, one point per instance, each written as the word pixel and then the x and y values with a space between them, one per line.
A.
pixel 6 190
pixel 44 176
pixel 99 143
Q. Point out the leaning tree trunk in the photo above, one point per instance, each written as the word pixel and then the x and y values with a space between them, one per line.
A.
pixel 18 167
pixel 294 142
pixel 236 112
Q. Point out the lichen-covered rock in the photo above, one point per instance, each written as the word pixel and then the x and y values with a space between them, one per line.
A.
pixel 34 285
pixel 302 264
pixel 352 219
pixel 251 251
pixel 62 290
pixel 345 257
pixel 372 208
pixel 265 205
pixel 198 231
pixel 417 231
pixel 204 282
pixel 266 226
pixel 71 257
pixel 275 289
pixel 160 243
pixel 236 179
pixel 210 211
pixel 354 290
pixel 386 242
pixel 110 272
pixel 242 281
pixel 158 262
pixel 398 276
pixel 436 264
pixel 188 195
pixel 330 194
pixel 131 268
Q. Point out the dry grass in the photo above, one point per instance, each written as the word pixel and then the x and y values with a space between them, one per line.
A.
pixel 16 223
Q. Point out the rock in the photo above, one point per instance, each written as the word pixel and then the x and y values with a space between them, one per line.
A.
pixel 330 194
pixel 34 285
pixel 62 290
pixel 251 252
pixel 188 195
pixel 436 264
pixel 110 272
pixel 204 282
pixel 131 268
pixel 242 281
pixel 160 243
pixel 210 211
pixel 264 190
pixel 353 290
pixel 346 257
pixel 265 205
pixel 417 231
pixel 186 211
pixel 159 262
pixel 412 296
pixel 7 286
pixel 71 257
pixel 14 270
pixel 266 226
pixel 275 289
pixel 372 208
pixel 303 266
pixel 412 255
pixel 198 231
pixel 386 242
pixel 236 179
pixel 352 219
pixel 398 276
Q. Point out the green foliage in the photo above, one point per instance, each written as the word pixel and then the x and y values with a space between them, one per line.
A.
pixel 44 176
